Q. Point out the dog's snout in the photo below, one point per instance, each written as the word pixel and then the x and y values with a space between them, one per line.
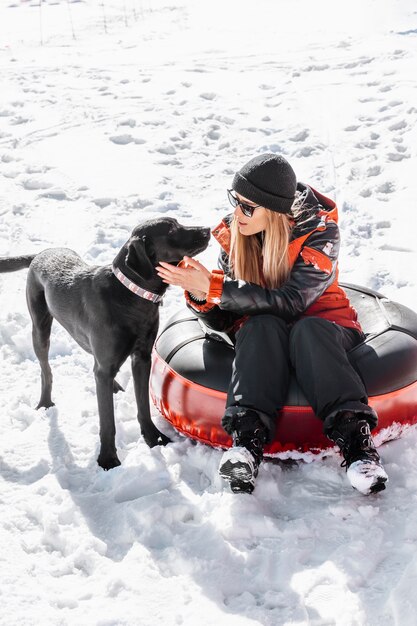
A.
pixel 204 232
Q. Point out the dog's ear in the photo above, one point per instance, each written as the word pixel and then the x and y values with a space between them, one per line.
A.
pixel 138 259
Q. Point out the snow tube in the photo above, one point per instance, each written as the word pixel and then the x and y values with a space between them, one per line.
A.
pixel 191 369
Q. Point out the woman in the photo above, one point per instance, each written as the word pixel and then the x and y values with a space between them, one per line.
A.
pixel 277 294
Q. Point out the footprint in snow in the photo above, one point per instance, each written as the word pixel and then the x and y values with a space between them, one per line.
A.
pixel 8 158
pixel 36 169
pixel 141 203
pixel 387 187
pixel 228 120
pixel 103 202
pixel 344 44
pixel 213 134
pixel 316 67
pixel 397 156
pixel 390 105
pixel 301 136
pixel 374 170
pixel 165 208
pixel 31 184
pixel 54 194
pixel 391 248
pixel 170 150
pixel 383 224
pixel 272 147
pixel 128 122
pixel 208 96
pixel 369 145
pixel 11 174
pixel 154 122
pixel 121 140
pixel 171 162
pixel 306 151
pixel 16 121
pixel 19 209
pixel 400 125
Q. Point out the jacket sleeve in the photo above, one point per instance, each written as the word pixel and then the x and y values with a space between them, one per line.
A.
pixel 313 272
pixel 216 318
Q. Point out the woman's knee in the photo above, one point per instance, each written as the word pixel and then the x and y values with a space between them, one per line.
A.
pixel 265 319
pixel 308 328
pixel 263 325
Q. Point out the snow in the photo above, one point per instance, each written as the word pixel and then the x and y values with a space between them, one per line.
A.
pixel 115 112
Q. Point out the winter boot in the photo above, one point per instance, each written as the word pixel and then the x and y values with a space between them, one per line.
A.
pixel 361 459
pixel 239 465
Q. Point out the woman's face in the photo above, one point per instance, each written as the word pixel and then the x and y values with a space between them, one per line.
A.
pixel 250 225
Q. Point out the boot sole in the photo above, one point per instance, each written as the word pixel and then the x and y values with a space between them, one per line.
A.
pixel 361 479
pixel 379 485
pixel 239 475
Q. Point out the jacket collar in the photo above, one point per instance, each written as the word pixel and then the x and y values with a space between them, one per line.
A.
pixel 315 210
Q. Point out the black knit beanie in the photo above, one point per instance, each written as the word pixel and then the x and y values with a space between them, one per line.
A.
pixel 268 180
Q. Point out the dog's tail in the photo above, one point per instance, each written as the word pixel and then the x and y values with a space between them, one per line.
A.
pixel 14 263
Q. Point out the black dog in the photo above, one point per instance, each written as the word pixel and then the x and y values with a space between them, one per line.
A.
pixel 112 312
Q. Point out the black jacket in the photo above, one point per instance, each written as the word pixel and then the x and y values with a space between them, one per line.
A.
pixel 312 287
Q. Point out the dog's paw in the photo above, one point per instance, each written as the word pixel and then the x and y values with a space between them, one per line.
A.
pixel 163 440
pixel 107 462
pixel 117 386
pixel 156 439
pixel 45 404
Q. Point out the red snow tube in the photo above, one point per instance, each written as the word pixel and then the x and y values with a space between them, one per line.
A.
pixel 191 369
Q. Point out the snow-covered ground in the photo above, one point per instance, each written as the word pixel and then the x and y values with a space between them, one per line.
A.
pixel 112 112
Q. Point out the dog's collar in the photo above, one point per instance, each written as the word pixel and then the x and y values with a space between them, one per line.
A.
pixel 143 293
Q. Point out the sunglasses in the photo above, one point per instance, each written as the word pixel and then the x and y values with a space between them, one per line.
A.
pixel 247 209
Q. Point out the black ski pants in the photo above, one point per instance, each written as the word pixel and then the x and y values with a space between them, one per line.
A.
pixel 267 350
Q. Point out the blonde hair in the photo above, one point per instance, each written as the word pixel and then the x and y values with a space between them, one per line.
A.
pixel 263 260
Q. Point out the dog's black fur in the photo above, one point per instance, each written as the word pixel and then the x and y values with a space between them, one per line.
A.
pixel 105 317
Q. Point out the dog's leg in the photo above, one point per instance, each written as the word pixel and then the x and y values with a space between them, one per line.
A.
pixel 107 459
pixel 117 387
pixel 41 332
pixel 141 369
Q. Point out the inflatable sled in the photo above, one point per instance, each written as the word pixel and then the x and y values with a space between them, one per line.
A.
pixel 191 369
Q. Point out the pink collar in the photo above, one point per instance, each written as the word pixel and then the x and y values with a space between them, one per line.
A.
pixel 147 295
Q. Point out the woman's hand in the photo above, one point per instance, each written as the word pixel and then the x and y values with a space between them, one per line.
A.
pixel 190 274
